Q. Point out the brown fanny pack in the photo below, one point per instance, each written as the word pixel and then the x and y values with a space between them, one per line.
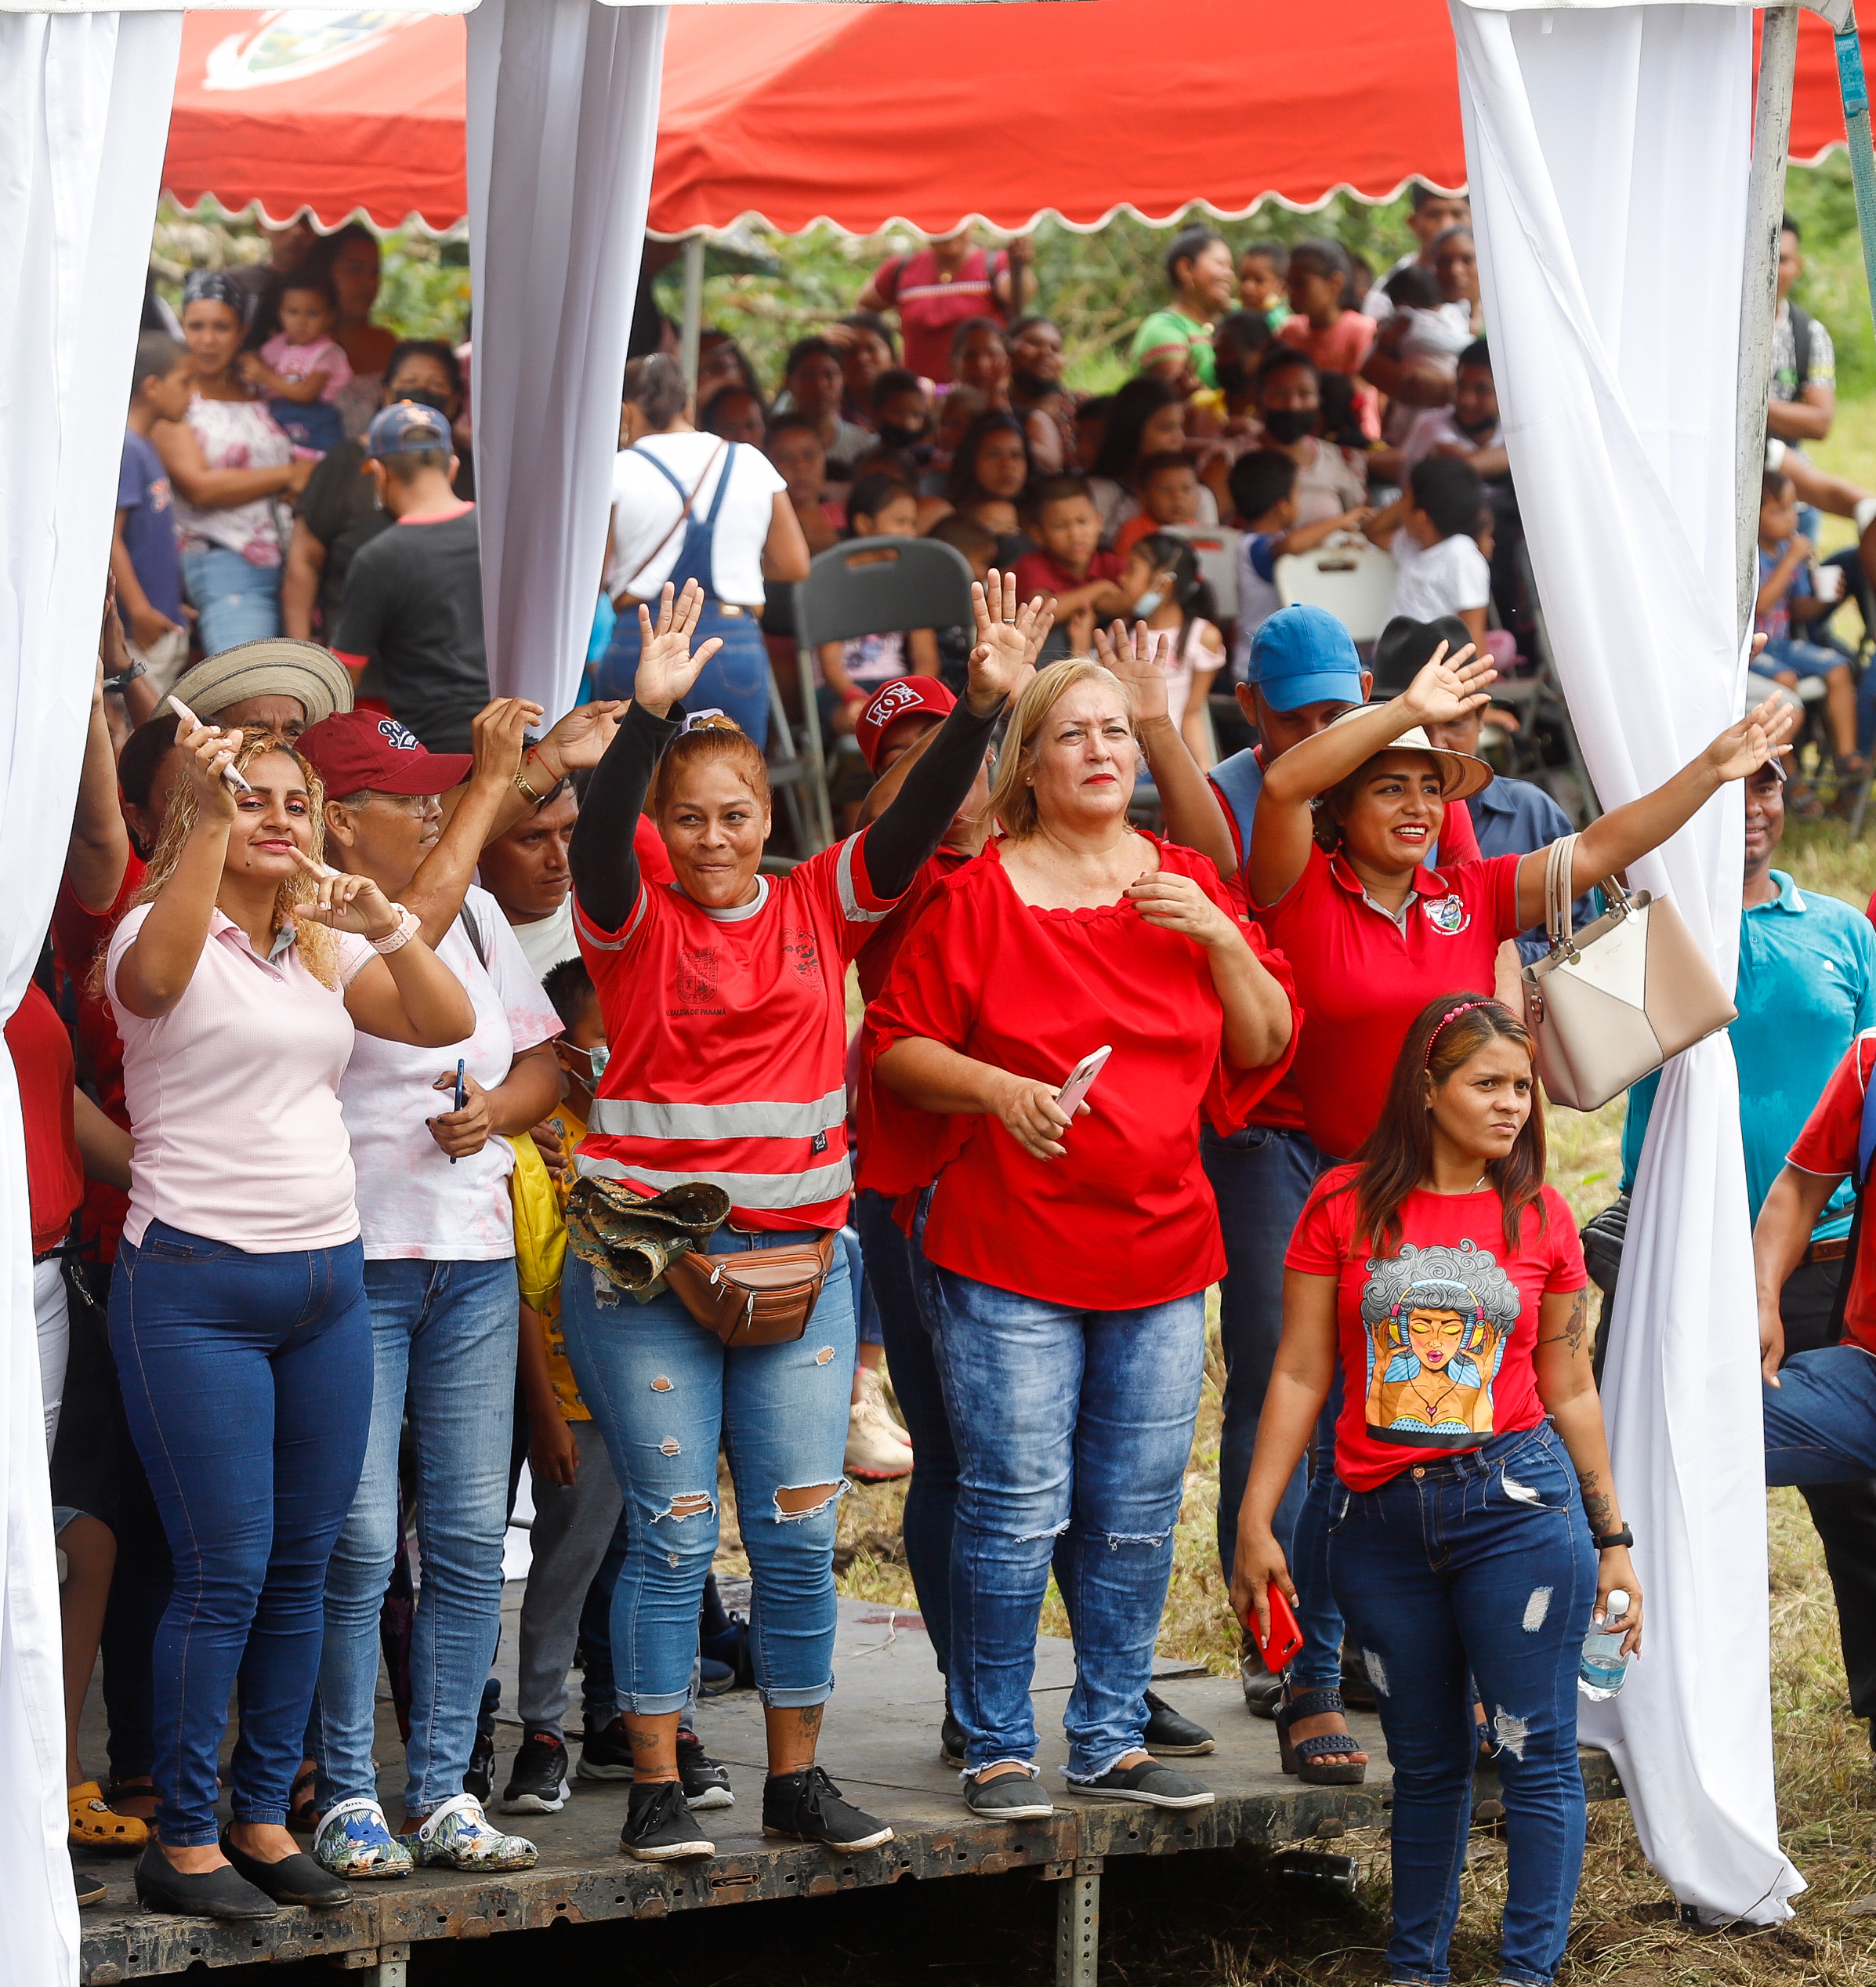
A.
pixel 759 1296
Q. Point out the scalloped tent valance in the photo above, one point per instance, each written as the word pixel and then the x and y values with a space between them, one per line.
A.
pixel 806 113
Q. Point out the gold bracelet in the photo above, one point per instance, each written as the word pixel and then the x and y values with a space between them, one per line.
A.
pixel 526 792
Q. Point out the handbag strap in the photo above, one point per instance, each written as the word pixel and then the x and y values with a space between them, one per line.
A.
pixel 1560 860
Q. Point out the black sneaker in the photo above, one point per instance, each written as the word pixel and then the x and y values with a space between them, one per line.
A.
pixel 1150 1783
pixel 1170 1734
pixel 808 1805
pixel 606 1754
pixel 705 1781
pixel 90 1888
pixel 537 1782
pixel 951 1741
pixel 1009 1797
pixel 659 1828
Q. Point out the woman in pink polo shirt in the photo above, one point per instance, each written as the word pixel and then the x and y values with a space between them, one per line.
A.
pixel 238 1315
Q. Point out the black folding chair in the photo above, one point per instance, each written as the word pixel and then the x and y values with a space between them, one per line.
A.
pixel 870 586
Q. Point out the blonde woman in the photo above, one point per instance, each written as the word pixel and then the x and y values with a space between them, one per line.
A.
pixel 238 1315
pixel 1064 1259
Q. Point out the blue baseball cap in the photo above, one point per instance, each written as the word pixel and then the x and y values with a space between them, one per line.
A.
pixel 406 427
pixel 1303 656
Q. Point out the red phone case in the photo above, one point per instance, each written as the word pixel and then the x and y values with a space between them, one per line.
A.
pixel 1286 1638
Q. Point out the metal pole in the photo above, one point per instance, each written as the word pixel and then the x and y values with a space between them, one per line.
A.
pixel 693 328
pixel 1759 296
pixel 1078 1925
pixel 1857 130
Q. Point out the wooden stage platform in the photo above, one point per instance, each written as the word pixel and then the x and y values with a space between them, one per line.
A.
pixel 880 1742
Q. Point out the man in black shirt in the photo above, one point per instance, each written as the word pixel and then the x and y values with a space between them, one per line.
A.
pixel 413 600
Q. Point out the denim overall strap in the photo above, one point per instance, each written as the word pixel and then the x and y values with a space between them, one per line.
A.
pixel 696 556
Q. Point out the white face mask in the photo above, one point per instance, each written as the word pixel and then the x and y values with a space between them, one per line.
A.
pixel 596 1058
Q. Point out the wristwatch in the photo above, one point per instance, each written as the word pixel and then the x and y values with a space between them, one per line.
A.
pixel 1624 1537
pixel 127 675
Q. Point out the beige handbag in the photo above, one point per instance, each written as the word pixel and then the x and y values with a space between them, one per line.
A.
pixel 1610 1003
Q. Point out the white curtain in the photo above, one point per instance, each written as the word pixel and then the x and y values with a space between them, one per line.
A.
pixel 81 153
pixel 563 126
pixel 1608 152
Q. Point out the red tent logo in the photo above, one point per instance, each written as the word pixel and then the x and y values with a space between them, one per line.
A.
pixel 292 42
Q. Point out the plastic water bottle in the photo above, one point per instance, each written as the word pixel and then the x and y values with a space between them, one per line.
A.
pixel 1600 1672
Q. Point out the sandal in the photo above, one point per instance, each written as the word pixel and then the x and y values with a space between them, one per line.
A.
pixel 94 1825
pixel 1323 1760
pixel 120 1793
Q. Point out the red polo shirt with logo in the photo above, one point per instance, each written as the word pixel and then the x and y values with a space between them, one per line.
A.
pixel 1362 976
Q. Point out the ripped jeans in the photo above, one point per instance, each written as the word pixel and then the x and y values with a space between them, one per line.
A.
pixel 663 1391
pixel 1073 1429
pixel 1482 1563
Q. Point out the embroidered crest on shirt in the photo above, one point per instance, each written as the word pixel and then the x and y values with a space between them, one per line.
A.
pixel 801 952
pixel 1437 1320
pixel 696 980
pixel 1447 915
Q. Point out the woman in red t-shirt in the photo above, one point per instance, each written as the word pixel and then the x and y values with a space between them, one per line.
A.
pixel 1066 1260
pixel 1474 1516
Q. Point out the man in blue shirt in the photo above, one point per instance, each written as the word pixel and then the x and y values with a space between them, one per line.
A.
pixel 1806 989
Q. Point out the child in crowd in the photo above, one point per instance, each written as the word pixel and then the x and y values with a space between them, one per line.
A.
pixel 879 506
pixel 1166 590
pixel 1169 495
pixel 1071 566
pixel 977 538
pixel 1263 491
pixel 1787 598
pixel 795 447
pixel 302 367
pixel 144 560
pixel 1336 338
pixel 957 410
pixel 1263 271
pixel 902 413
pixel 1091 426
pixel 1430 529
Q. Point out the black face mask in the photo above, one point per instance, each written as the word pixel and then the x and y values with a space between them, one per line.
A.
pixel 1288 424
pixel 893 437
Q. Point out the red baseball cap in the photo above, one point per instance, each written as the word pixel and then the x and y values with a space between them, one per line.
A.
pixel 891 702
pixel 352 751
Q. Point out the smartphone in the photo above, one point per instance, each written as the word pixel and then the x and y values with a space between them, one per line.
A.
pixel 462 1096
pixel 228 772
pixel 1286 1638
pixel 1080 1079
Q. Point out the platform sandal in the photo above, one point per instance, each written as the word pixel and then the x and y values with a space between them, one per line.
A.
pixel 1324 1760
pixel 94 1824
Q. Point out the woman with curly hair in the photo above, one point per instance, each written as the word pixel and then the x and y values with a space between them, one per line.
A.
pixel 1474 1519
pixel 238 1316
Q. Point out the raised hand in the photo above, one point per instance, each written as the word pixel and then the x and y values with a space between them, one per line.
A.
pixel 581 737
pixel 346 903
pixel 1763 734
pixel 1000 657
pixel 1449 688
pixel 1139 659
pixel 1035 619
pixel 207 752
pixel 667 668
pixel 498 738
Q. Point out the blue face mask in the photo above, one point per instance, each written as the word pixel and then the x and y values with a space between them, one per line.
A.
pixel 1149 604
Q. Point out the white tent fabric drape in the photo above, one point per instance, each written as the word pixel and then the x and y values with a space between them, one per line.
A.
pixel 1608 152
pixel 81 154
pixel 563 127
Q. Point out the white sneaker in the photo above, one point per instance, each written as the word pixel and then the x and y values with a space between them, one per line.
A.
pixel 878 1449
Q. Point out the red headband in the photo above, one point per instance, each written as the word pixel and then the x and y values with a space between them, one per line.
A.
pixel 1451 1014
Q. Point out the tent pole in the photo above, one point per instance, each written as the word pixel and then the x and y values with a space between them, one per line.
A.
pixel 1856 130
pixel 693 329
pixel 1759 296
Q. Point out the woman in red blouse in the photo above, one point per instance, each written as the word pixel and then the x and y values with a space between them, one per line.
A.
pixel 1474 1518
pixel 1065 1262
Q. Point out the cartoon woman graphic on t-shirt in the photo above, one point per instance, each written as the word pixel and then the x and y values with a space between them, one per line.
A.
pixel 1437 1320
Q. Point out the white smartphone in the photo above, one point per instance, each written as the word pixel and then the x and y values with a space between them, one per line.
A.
pixel 1080 1079
pixel 228 772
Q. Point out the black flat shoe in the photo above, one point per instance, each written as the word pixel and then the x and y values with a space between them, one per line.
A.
pixel 296 1879
pixel 223 1893
pixel 1171 1735
pixel 89 1888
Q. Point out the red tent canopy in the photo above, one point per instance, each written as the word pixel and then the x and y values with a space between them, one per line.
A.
pixel 863 115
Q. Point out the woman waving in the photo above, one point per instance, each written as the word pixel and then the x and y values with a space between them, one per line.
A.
pixel 724 1000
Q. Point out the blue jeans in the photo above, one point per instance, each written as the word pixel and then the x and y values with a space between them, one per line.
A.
pixel 244 1380
pixel 235 600
pixel 664 1392
pixel 1803 658
pixel 1820 1418
pixel 735 679
pixel 442 1350
pixel 931 1497
pixel 1481 1563
pixel 1066 1421
pixel 866 1308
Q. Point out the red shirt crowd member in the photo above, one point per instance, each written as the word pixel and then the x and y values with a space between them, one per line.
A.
pixel 1337 874
pixel 1067 1248
pixel 724 1000
pixel 936 289
pixel 55 1178
pixel 1474 1517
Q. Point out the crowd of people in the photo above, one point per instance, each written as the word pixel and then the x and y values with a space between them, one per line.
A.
pixel 416 1092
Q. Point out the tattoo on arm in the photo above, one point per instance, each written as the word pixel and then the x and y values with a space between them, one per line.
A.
pixel 1576 1328
pixel 1598 1506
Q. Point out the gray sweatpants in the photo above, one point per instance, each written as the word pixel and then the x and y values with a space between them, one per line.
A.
pixel 572 1526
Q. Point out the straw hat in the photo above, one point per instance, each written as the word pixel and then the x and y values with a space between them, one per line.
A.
pixel 1462 774
pixel 275 666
